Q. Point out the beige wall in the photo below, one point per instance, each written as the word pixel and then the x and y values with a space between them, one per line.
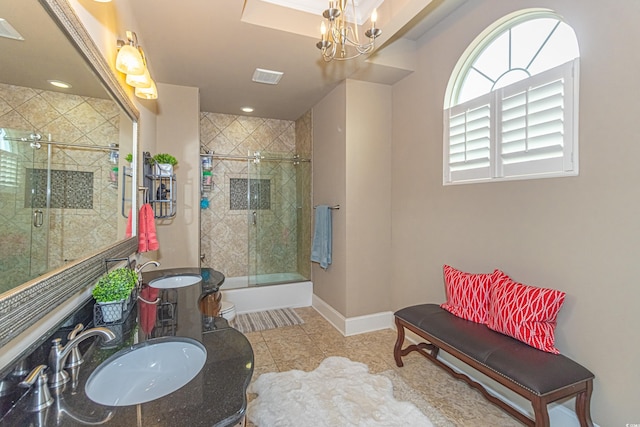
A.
pixel 576 234
pixel 177 126
pixel 329 188
pixel 352 155
pixel 368 201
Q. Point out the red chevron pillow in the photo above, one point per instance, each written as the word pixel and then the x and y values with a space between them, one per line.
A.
pixel 525 313
pixel 468 293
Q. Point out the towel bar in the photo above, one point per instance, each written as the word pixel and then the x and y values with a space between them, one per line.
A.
pixel 335 207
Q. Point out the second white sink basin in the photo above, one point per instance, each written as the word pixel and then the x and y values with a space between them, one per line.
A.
pixel 146 371
pixel 175 281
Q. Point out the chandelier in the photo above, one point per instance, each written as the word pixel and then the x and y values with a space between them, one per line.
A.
pixel 339 38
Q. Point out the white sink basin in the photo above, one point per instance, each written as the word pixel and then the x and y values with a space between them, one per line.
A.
pixel 175 281
pixel 146 371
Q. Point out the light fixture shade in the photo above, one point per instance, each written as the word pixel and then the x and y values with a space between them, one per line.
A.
pixel 147 93
pixel 142 81
pixel 129 61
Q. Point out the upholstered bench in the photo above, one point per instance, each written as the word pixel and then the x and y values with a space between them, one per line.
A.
pixel 538 376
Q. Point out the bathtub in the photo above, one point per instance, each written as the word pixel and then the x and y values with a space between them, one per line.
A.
pixel 288 290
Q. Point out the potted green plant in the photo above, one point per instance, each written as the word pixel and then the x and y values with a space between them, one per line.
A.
pixel 129 158
pixel 113 290
pixel 164 164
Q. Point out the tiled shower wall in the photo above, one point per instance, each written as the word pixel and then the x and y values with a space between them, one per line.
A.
pixel 71 119
pixel 284 242
pixel 303 189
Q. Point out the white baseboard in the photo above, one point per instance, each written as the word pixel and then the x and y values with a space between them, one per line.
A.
pixel 353 325
pixel 271 297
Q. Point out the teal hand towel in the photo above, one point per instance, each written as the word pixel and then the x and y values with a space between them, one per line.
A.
pixel 321 247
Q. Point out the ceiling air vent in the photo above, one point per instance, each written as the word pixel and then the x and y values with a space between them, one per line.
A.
pixel 7 30
pixel 267 76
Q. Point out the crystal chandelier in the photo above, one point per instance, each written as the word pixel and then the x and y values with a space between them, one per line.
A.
pixel 339 38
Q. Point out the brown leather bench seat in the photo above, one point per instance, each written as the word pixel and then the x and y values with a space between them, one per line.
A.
pixel 538 376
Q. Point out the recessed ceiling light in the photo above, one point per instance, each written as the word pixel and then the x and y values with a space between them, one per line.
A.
pixel 59 83
pixel 247 109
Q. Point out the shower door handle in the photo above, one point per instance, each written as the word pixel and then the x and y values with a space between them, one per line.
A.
pixel 255 217
pixel 38 216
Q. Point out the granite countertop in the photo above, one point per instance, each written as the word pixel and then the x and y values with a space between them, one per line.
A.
pixel 215 397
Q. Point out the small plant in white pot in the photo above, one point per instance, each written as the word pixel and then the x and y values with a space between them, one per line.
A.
pixel 164 164
pixel 113 290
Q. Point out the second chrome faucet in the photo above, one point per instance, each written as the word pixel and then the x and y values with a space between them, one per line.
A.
pixel 59 354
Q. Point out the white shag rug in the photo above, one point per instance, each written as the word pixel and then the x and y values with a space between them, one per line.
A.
pixel 338 393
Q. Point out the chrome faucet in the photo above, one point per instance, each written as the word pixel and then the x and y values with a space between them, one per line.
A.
pixel 142 266
pixel 58 354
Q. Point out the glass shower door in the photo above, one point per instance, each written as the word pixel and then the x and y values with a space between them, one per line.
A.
pixel 259 197
pixel 23 220
pixel 272 219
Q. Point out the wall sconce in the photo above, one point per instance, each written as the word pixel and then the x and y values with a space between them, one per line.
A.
pixel 143 80
pixel 132 62
pixel 150 92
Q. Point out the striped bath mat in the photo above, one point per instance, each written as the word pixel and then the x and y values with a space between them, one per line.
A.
pixel 263 320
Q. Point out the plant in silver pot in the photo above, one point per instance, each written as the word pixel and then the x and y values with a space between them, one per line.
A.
pixel 164 164
pixel 113 290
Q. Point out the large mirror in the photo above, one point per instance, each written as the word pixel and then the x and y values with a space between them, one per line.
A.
pixel 65 187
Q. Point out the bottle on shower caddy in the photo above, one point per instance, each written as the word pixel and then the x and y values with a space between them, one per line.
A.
pixel 207 162
pixel 207 178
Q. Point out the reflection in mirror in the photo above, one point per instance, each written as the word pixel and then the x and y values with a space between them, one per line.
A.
pixel 83 123
pixel 60 184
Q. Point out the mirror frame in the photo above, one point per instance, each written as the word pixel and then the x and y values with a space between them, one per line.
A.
pixel 25 305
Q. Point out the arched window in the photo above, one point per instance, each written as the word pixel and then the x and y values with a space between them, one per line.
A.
pixel 512 102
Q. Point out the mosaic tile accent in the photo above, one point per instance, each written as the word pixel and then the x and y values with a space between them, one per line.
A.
pixel 259 189
pixel 69 189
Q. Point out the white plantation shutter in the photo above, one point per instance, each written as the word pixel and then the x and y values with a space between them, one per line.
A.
pixel 536 125
pixel 523 130
pixel 468 153
pixel 8 170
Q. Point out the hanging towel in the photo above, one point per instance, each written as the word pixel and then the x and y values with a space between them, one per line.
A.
pixel 148 310
pixel 321 247
pixel 147 239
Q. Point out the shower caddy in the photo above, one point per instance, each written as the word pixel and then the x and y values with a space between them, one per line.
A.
pixel 161 190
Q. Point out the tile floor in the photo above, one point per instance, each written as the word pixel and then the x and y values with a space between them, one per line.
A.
pixel 305 346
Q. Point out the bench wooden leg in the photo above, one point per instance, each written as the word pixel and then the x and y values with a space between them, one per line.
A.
pixel 583 405
pixel 540 412
pixel 397 348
